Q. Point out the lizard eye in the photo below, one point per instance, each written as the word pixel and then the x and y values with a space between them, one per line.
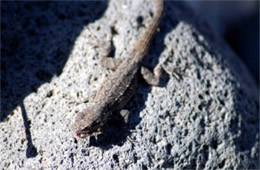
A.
pixel 80 135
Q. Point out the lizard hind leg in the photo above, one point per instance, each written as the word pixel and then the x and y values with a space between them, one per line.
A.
pixel 152 78
pixel 106 50
pixel 110 63
pixel 107 59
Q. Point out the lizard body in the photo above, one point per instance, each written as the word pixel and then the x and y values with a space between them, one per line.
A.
pixel 118 88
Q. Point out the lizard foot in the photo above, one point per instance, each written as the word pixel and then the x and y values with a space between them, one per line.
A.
pixel 152 78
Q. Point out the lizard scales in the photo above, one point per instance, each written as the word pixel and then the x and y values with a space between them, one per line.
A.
pixel 128 68
pixel 111 96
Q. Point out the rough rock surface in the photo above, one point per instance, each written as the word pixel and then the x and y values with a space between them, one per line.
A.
pixel 204 116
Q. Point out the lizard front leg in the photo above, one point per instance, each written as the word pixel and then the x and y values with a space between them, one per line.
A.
pixel 119 106
pixel 125 115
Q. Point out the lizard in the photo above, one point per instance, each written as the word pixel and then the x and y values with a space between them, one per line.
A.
pixel 117 89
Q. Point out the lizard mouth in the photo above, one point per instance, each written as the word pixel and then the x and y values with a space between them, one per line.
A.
pixel 84 134
pixel 93 129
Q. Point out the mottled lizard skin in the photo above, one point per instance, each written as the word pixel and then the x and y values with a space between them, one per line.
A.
pixel 119 87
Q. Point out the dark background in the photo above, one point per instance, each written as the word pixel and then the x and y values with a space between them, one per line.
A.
pixel 238 23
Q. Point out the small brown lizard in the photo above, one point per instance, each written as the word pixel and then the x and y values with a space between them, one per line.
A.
pixel 119 87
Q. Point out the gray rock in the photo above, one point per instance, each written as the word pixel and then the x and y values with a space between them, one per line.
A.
pixel 203 116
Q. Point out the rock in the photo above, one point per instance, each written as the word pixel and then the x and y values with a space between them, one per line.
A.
pixel 203 116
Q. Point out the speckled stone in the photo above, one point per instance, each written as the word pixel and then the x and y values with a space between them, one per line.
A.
pixel 203 116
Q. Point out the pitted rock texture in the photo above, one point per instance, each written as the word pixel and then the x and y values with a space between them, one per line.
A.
pixel 203 116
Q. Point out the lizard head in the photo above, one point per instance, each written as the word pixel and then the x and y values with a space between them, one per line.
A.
pixel 88 122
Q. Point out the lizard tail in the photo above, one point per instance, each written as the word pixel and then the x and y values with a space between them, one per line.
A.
pixel 144 42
